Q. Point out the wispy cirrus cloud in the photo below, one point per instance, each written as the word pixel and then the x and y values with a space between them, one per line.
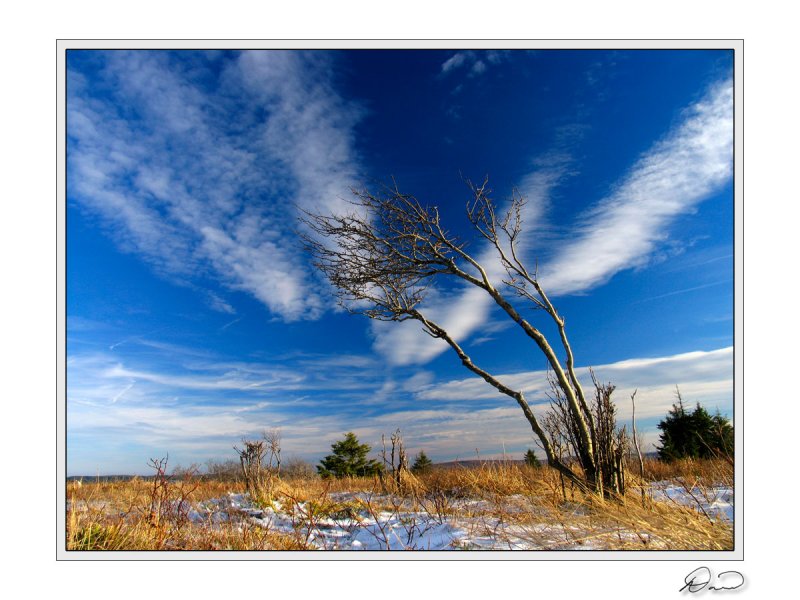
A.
pixel 147 372
pixel 463 310
pixel 703 376
pixel 157 397
pixel 620 232
pixel 197 165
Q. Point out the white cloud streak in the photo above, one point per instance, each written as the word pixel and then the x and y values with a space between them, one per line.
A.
pixel 167 372
pixel 705 377
pixel 669 180
pixel 620 232
pixel 205 183
pixel 463 311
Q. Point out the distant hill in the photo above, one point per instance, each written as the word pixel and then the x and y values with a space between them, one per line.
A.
pixel 106 478
pixel 451 464
pixel 473 463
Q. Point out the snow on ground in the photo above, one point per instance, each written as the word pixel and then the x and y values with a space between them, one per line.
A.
pixel 358 521
pixel 714 501
pixel 355 529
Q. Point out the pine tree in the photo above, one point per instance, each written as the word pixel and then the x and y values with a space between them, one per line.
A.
pixel 349 459
pixel 674 433
pixel 531 459
pixel 694 434
pixel 422 464
pixel 702 432
pixel 722 435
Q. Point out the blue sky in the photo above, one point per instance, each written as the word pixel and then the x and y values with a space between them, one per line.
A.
pixel 194 319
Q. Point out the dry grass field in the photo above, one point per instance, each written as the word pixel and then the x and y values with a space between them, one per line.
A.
pixel 489 507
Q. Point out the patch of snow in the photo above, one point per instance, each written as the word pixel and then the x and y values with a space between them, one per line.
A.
pixel 466 523
pixel 714 501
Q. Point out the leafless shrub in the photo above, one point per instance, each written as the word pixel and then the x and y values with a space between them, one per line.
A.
pixel 610 441
pixel 637 444
pixel 437 504
pixel 169 498
pixel 260 461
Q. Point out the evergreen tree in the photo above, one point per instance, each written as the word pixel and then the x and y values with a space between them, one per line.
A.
pixel 349 459
pixel 694 434
pixel 422 464
pixel 722 435
pixel 702 432
pixel 531 459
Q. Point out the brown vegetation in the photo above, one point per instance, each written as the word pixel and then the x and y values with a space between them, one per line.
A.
pixel 509 503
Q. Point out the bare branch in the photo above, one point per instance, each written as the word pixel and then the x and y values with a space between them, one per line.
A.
pixel 382 256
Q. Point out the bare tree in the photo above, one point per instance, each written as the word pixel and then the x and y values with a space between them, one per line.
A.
pixel 382 256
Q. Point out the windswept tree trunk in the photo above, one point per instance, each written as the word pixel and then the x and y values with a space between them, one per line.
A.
pixel 381 257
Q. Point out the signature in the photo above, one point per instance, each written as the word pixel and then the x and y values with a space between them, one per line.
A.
pixel 700 579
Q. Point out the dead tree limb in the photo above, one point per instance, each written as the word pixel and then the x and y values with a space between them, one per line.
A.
pixel 382 256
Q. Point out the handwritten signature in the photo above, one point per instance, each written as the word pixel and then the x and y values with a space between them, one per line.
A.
pixel 699 580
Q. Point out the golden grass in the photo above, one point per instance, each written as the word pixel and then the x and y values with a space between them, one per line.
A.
pixel 712 471
pixel 509 504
